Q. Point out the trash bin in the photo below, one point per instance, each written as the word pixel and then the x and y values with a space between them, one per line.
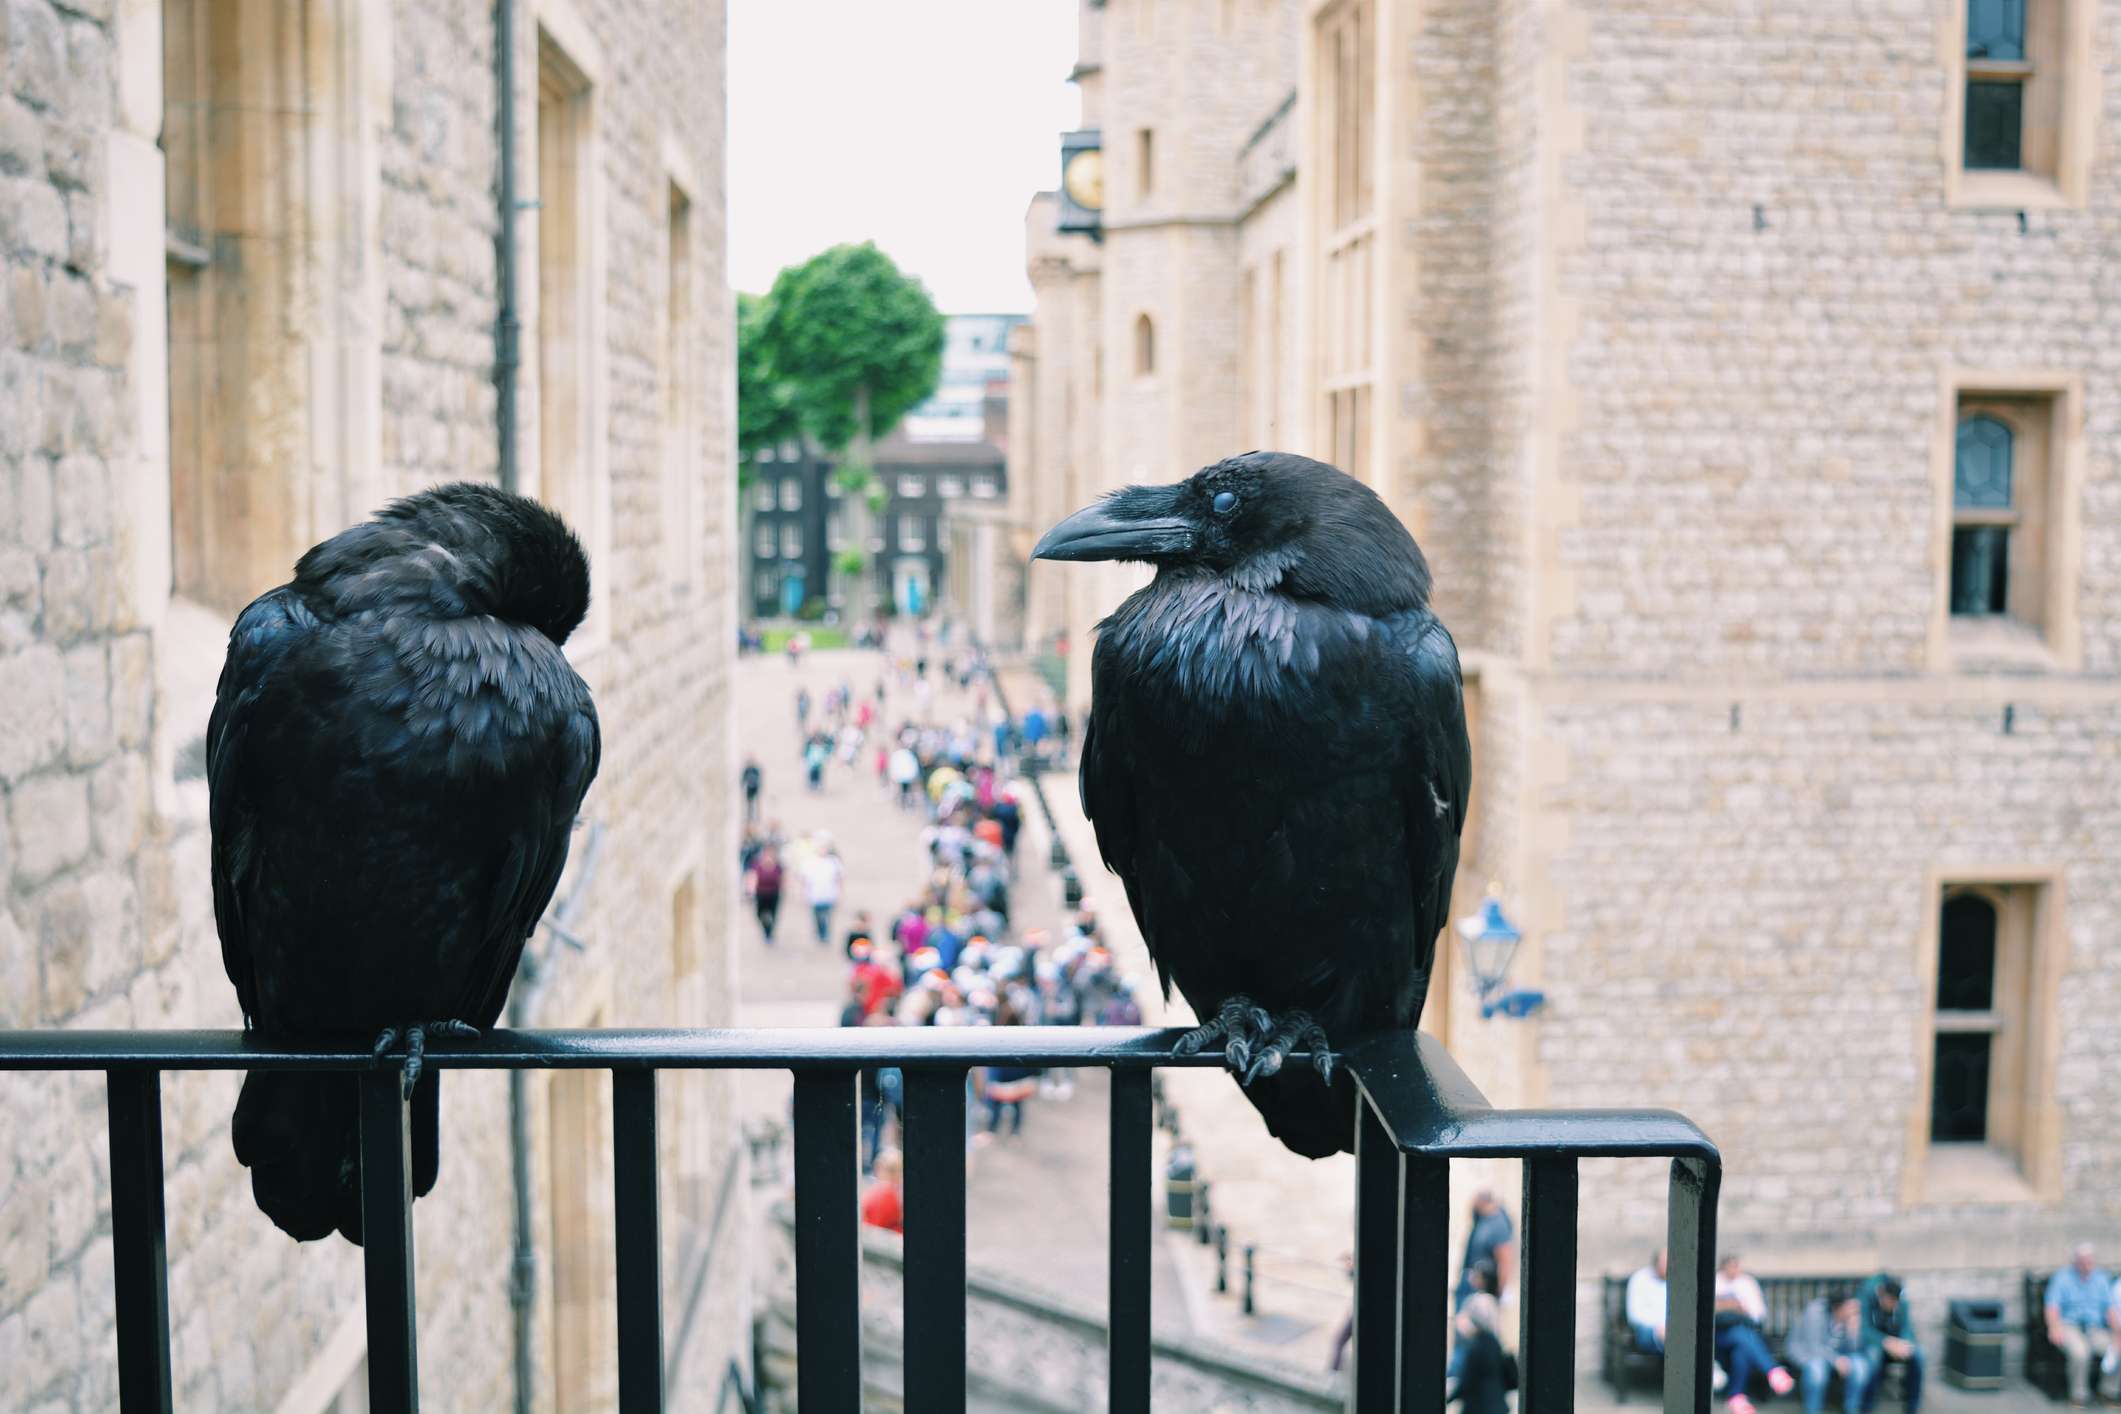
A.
pixel 1973 1344
pixel 1179 1187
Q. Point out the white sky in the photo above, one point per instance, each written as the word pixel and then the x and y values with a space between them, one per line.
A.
pixel 924 125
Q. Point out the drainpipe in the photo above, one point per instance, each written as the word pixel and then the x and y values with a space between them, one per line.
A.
pixel 508 331
pixel 523 1266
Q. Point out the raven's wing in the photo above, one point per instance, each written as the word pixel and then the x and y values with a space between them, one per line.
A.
pixel 535 858
pixel 1105 778
pixel 263 635
pixel 1436 783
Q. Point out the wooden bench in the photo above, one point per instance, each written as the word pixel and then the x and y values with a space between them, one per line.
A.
pixel 1625 1363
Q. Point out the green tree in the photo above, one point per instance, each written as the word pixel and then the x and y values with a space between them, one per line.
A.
pixel 855 343
pixel 765 405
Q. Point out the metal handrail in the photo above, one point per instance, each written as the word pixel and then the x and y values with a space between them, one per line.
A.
pixel 1418 1111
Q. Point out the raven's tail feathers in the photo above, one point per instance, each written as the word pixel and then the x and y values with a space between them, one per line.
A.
pixel 1311 1116
pixel 299 1134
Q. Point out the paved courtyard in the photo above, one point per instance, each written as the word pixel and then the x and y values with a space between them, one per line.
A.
pixel 1035 1205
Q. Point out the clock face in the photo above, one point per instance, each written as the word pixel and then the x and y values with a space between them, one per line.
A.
pixel 1084 178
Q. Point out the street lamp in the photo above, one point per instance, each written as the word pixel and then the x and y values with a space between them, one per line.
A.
pixel 1491 941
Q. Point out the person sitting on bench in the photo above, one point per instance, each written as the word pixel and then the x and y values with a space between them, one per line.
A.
pixel 1646 1304
pixel 1741 1347
pixel 1889 1338
pixel 2083 1314
pixel 1828 1341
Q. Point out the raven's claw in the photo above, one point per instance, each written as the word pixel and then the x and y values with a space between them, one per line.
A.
pixel 415 1038
pixel 1241 1026
pixel 1292 1031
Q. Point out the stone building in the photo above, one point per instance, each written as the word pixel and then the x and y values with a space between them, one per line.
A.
pixel 252 291
pixel 1750 377
pixel 942 463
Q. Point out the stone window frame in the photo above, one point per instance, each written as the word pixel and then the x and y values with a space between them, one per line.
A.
pixel 792 492
pixel 684 465
pixel 569 462
pixel 2052 455
pixel 764 545
pixel 2059 38
pixel 2024 1164
pixel 345 53
pixel 912 533
pixel 1345 64
pixel 791 540
pixel 1144 346
pixel 1144 163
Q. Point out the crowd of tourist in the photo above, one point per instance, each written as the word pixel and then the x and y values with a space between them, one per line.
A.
pixel 952 951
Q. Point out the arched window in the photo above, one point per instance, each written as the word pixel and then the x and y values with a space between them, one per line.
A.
pixel 1144 347
pixel 1984 513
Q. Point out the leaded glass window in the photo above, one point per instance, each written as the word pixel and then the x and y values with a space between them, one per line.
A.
pixel 1995 29
pixel 1982 510
pixel 1995 125
pixel 1981 473
pixel 1996 74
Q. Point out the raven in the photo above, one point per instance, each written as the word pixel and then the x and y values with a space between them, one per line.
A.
pixel 1276 764
pixel 397 751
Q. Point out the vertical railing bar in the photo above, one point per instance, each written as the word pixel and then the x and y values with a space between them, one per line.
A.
pixel 1546 1339
pixel 139 1240
pixel 1373 1389
pixel 639 1241
pixel 1424 1265
pixel 386 1242
pixel 935 1239
pixel 1127 1338
pixel 828 1250
pixel 1691 1244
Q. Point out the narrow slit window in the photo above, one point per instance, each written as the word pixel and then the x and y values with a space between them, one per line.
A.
pixel 1144 347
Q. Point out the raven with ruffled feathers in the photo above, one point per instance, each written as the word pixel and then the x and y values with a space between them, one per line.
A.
pixel 1276 765
pixel 397 752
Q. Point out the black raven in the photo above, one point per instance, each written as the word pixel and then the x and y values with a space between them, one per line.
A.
pixel 396 754
pixel 1276 764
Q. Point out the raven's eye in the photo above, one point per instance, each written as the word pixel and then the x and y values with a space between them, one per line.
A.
pixel 1224 502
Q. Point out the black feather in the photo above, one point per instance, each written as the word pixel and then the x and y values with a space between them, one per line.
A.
pixel 396 756
pixel 1276 761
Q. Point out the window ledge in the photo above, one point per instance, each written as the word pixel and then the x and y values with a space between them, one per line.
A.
pixel 2000 645
pixel 1973 1173
pixel 2008 191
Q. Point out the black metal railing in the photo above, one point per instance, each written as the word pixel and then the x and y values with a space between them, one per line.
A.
pixel 1419 1112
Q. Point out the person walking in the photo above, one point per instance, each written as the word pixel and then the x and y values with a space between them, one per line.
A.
pixel 905 773
pixel 815 754
pixel 754 780
pixel 822 876
pixel 1490 1240
pixel 766 889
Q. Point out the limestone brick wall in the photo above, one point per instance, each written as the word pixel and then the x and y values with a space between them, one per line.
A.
pixel 105 906
pixel 1444 467
pixel 1759 394
pixel 1761 893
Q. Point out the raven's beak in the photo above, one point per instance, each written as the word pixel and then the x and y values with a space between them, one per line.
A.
pixel 1139 523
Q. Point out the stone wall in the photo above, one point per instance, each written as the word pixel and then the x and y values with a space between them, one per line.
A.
pixel 105 919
